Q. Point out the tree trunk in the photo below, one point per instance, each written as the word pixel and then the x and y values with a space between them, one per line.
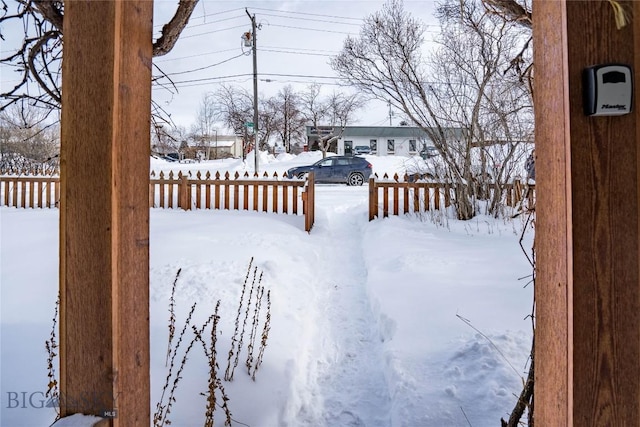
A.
pixel 463 202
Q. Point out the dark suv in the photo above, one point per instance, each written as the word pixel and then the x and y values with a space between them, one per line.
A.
pixel 352 170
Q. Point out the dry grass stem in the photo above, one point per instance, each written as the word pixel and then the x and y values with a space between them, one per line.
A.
pixel 228 375
pixel 172 316
pixel 51 346
pixel 254 327
pixel 265 337
pixel 163 410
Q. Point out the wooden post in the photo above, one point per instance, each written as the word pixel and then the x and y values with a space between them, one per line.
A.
pixel 104 210
pixel 308 202
pixel 587 227
pixel 184 192
pixel 372 198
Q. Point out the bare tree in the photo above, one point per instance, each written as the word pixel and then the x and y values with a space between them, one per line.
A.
pixel 449 98
pixel 166 139
pixel 233 107
pixel 332 114
pixel 39 57
pixel 290 121
pixel 268 119
pixel 277 116
pixel 27 140
pixel 204 130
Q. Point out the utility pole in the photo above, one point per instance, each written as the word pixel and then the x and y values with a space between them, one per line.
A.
pixel 390 112
pixel 255 89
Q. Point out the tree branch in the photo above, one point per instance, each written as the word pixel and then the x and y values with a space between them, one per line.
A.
pixel 171 31
pixel 51 11
pixel 35 50
pixel 511 11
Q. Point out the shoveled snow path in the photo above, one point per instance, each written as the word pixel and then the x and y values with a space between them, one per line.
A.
pixel 346 372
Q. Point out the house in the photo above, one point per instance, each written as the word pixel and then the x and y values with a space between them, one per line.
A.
pixel 225 146
pixel 217 147
pixel 382 140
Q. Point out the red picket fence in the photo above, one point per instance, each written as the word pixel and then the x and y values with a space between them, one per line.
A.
pixel 395 196
pixel 202 191
pixel 207 191
pixel 29 191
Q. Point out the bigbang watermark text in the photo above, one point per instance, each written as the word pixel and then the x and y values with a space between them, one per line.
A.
pixel 39 400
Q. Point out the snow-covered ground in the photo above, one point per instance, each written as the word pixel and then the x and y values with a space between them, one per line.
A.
pixel 368 319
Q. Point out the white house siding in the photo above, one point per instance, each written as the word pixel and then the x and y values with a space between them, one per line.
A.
pixel 401 145
pixel 363 135
pixel 355 141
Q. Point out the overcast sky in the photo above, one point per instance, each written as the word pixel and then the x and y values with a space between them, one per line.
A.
pixel 296 41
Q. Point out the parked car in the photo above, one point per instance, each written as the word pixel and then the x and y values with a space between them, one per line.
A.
pixel 429 151
pixel 362 149
pixel 351 170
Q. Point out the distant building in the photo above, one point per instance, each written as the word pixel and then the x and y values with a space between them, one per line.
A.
pixel 382 140
pixel 215 147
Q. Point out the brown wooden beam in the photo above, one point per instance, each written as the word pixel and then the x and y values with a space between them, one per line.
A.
pixel 587 226
pixel 104 215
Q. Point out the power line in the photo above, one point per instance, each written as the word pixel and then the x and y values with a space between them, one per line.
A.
pixel 205 67
pixel 196 55
pixel 308 14
pixel 213 22
pixel 219 82
pixel 281 49
pixel 206 15
pixel 302 75
pixel 291 78
pixel 311 20
pixel 326 16
pixel 213 78
pixel 213 31
pixel 302 49
pixel 322 30
pixel 296 53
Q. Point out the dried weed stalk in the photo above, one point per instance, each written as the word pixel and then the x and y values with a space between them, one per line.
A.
pixel 51 345
pixel 231 368
pixel 254 327
pixel 163 409
pixel 215 394
pixel 172 316
pixel 235 343
pixel 264 337
pixel 214 381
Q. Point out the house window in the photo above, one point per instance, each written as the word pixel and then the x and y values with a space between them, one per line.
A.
pixel 373 144
pixel 412 146
pixel 348 147
pixel 391 145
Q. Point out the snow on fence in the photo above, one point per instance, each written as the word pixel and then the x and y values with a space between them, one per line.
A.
pixel 266 194
pixel 207 191
pixel 29 191
pixel 393 196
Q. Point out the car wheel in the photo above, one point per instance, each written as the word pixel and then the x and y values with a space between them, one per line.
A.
pixel 356 179
pixel 301 175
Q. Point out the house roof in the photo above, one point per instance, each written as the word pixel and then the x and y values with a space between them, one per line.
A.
pixel 223 142
pixel 411 132
pixel 220 141
pixel 384 131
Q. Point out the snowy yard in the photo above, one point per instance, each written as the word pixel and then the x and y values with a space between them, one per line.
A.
pixel 366 325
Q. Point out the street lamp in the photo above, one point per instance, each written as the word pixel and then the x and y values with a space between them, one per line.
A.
pixel 216 131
